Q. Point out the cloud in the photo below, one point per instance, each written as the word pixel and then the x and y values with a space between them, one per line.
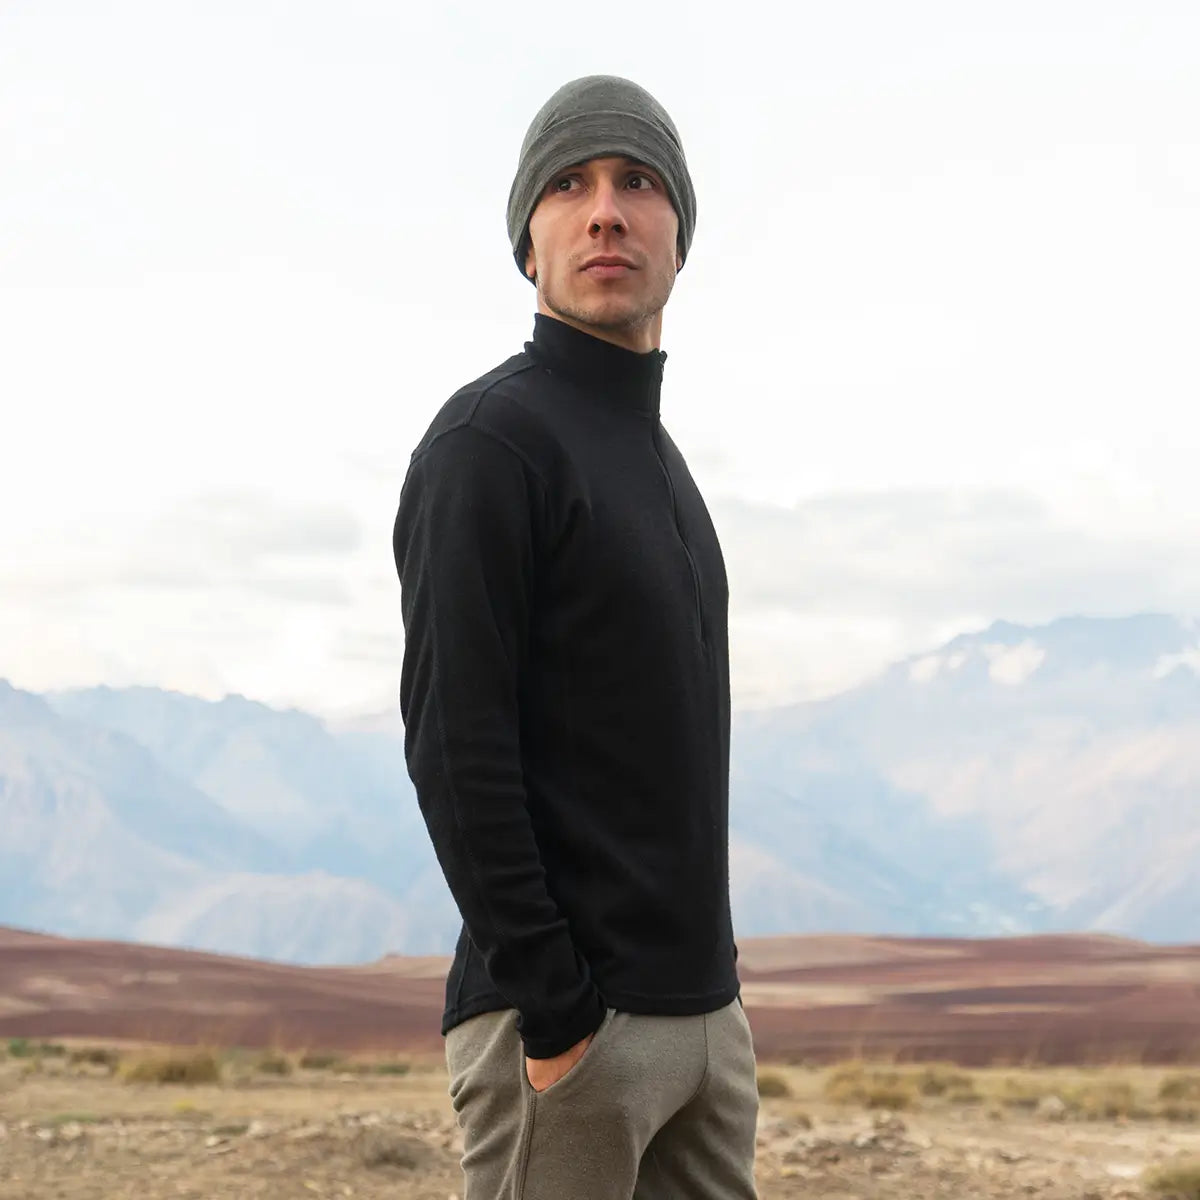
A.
pixel 247 542
pixel 382 649
pixel 240 541
pixel 827 592
pixel 220 591
pixel 245 529
pixel 925 556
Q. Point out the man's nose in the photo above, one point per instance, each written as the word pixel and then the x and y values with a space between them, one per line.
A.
pixel 607 215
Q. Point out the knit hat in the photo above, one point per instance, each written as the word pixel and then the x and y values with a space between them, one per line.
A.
pixel 595 117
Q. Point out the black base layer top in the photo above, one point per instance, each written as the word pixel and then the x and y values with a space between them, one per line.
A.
pixel 565 692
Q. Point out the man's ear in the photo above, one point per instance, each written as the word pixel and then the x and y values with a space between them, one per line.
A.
pixel 678 262
pixel 530 261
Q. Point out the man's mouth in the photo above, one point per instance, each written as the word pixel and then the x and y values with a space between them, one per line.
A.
pixel 607 266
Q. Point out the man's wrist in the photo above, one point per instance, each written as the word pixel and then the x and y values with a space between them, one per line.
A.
pixel 558 1040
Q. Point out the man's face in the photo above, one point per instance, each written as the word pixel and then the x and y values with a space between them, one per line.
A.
pixel 603 250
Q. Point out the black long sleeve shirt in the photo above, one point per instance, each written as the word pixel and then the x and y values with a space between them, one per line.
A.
pixel 565 692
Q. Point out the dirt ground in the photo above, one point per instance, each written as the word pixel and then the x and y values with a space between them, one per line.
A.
pixel 81 1132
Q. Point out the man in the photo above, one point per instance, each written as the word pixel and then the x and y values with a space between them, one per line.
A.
pixel 565 691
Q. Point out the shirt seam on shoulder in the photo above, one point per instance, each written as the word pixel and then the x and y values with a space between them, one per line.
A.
pixel 468 422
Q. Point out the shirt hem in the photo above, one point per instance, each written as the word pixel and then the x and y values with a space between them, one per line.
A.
pixel 687 1004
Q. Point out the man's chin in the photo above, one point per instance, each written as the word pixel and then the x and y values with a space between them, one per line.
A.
pixel 612 315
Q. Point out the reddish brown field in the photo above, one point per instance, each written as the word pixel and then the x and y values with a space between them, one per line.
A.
pixel 1054 999
pixel 59 987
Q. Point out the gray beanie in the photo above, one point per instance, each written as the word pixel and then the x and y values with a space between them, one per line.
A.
pixel 593 117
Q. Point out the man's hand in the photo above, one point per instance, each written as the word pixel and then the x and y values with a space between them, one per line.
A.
pixel 542 1072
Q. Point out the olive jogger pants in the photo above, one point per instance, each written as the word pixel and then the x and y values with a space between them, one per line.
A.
pixel 658 1108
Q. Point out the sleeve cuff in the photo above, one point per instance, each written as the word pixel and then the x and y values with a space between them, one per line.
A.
pixel 559 1037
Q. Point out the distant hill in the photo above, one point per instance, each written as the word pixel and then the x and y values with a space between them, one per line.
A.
pixel 147 814
pixel 1054 999
pixel 1017 780
pixel 1072 749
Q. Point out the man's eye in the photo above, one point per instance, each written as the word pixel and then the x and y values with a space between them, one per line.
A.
pixel 563 184
pixel 642 181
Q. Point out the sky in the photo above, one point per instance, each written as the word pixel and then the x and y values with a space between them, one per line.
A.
pixel 932 359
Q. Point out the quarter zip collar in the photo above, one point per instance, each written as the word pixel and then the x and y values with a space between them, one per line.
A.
pixel 621 377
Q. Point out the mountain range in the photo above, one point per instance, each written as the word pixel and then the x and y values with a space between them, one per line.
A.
pixel 1020 779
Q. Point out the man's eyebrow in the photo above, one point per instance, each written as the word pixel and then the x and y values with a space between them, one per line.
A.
pixel 628 163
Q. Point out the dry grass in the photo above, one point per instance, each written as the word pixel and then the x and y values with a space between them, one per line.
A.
pixel 897 1088
pixel 24 1048
pixel 1066 1093
pixel 1173 1110
pixel 383 1067
pixel 272 1062
pixel 1176 1181
pixel 1025 1091
pixel 1105 1100
pixel 182 1067
pixel 1179 1097
pixel 310 1061
pixel 1180 1088
pixel 872 1087
pixel 947 1082
pixel 1076 1094
pixel 773 1086
pixel 1102 1098
pixel 95 1056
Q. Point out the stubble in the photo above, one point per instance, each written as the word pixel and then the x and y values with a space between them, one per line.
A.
pixel 622 311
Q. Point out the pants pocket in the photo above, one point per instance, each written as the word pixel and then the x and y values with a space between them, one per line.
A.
pixel 584 1067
